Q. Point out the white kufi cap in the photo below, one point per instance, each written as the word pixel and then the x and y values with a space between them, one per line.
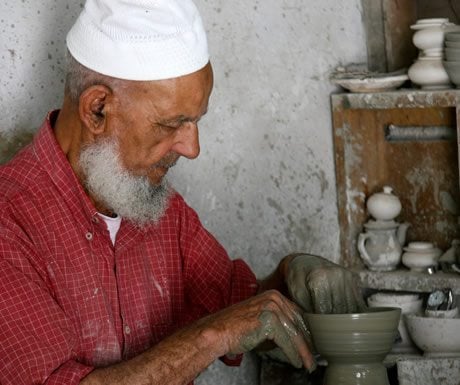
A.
pixel 139 39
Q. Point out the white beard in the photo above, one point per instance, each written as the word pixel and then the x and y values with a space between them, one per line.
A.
pixel 130 196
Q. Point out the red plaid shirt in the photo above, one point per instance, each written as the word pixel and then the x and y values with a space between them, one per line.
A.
pixel 71 301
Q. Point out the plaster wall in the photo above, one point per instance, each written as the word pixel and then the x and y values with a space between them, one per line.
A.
pixel 264 183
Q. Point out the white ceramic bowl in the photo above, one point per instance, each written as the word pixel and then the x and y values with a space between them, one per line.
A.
pixel 419 261
pixel 453 71
pixel 437 337
pixel 409 304
pixel 451 313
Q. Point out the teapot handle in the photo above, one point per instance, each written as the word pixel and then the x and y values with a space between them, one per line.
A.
pixel 362 247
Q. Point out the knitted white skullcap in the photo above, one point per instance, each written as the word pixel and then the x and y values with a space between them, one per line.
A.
pixel 139 39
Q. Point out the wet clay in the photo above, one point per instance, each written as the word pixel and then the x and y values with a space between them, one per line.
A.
pixel 355 344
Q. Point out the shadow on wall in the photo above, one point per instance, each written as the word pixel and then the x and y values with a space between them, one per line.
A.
pixel 10 145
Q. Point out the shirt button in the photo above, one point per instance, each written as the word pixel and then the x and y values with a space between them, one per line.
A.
pixel 95 219
pixel 89 236
pixel 127 329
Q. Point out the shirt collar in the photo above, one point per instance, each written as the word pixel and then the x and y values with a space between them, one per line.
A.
pixel 55 163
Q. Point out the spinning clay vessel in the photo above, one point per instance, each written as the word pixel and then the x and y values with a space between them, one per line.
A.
pixel 355 345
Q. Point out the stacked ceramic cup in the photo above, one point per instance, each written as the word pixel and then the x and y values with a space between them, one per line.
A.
pixel 410 304
pixel 428 70
pixel 452 56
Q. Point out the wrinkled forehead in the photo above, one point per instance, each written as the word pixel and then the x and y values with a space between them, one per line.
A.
pixel 187 95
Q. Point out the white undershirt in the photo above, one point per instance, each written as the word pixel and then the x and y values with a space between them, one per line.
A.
pixel 113 225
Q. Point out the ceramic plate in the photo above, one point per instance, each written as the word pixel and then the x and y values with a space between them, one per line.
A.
pixel 369 83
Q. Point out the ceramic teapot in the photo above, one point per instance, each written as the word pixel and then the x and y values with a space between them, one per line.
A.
pixel 380 246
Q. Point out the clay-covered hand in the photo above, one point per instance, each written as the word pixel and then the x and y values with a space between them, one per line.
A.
pixel 321 286
pixel 266 317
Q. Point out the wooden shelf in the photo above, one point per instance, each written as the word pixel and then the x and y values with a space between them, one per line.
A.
pixel 423 170
pixel 405 280
pixel 403 98
pixel 428 371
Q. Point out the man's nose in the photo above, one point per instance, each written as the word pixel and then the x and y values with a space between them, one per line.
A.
pixel 187 141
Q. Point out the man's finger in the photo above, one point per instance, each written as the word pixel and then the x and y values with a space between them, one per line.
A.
pixel 291 341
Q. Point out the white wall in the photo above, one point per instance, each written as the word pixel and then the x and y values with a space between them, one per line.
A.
pixel 264 183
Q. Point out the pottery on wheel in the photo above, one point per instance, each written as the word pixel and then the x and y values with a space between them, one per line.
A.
pixel 355 345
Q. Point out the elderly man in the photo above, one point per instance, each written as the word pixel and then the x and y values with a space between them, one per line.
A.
pixel 106 275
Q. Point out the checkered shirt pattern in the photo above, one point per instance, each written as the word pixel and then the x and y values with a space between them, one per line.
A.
pixel 70 300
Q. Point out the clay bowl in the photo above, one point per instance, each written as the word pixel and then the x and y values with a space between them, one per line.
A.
pixel 437 337
pixel 453 70
pixel 354 345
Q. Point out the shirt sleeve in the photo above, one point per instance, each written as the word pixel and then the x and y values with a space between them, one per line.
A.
pixel 212 280
pixel 37 339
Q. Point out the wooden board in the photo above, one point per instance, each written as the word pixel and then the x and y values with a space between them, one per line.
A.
pixel 389 38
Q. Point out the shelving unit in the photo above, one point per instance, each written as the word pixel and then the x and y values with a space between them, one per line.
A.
pixel 423 170
pixel 421 164
pixel 405 280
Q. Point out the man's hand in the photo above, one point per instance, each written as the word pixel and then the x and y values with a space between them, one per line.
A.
pixel 266 317
pixel 321 286
pixel 179 358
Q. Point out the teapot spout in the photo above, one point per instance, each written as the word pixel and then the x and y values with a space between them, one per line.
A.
pixel 402 231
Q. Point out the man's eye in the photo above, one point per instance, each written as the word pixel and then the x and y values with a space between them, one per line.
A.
pixel 169 127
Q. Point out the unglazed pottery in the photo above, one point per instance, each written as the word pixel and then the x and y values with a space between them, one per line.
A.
pixel 418 256
pixel 355 345
pixel 452 36
pixel 437 337
pixel 384 206
pixel 452 54
pixel 409 304
pixel 429 37
pixel 439 20
pixel 452 254
pixel 452 43
pixel 429 73
pixel 453 71
pixel 451 313
pixel 380 246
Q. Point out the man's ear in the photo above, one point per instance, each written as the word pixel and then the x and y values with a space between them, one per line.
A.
pixel 92 107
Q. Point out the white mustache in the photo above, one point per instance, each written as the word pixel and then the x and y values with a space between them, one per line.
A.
pixel 165 163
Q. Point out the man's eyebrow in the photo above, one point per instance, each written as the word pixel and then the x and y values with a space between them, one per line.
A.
pixel 182 119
